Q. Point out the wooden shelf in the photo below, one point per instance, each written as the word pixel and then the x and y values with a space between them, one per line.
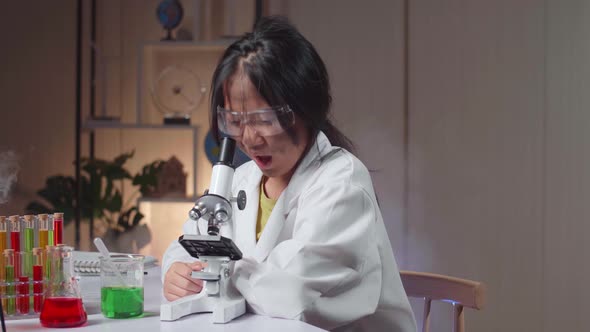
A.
pixel 91 125
pixel 167 200
pixel 99 124
pixel 214 45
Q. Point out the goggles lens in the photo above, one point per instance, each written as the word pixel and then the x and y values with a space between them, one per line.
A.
pixel 267 122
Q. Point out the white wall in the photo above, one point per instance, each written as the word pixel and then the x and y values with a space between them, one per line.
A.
pixel 497 143
pixel 566 211
pixel 37 100
pixel 476 152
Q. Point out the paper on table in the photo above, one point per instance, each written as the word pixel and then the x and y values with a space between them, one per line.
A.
pixel 88 262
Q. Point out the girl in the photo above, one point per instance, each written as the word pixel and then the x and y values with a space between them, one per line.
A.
pixel 314 244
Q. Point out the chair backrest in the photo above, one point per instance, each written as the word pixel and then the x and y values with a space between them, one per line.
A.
pixel 459 292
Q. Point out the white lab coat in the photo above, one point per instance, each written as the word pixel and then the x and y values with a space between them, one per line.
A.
pixel 324 256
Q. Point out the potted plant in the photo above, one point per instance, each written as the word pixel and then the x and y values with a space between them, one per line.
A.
pixel 102 199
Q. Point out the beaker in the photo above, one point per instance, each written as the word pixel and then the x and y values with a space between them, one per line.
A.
pixel 121 279
pixel 62 306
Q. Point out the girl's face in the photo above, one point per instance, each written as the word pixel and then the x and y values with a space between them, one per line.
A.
pixel 277 155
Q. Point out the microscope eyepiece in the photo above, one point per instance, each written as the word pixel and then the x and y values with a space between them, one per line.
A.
pixel 226 154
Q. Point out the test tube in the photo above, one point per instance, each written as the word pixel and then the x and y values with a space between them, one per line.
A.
pixel 15 244
pixel 28 247
pixel 38 262
pixel 14 232
pixel 3 245
pixel 59 265
pixel 9 302
pixel 50 231
pixel 47 266
pixel 43 230
pixel 23 298
pixel 2 269
pixel 58 226
pixel 2 233
pixel 29 232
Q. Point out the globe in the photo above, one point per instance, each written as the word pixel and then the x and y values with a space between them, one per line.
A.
pixel 169 14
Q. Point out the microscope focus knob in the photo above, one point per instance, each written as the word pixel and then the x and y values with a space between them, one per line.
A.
pixel 221 216
pixel 241 200
pixel 194 214
pixel 213 230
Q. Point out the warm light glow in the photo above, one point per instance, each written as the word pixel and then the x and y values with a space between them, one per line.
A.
pixel 164 220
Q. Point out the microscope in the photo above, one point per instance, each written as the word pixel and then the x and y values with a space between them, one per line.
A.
pixel 217 251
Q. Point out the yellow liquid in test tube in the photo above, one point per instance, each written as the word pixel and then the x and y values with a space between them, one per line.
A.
pixel 3 234
pixel 2 265
pixel 2 247
pixel 2 270
pixel 43 236
pixel 43 231
pixel 2 241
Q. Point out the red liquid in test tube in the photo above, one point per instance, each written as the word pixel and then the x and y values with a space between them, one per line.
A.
pixel 15 240
pixel 14 232
pixel 15 245
pixel 58 226
pixel 23 299
pixel 37 287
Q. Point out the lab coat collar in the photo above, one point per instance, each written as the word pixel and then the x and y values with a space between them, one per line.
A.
pixel 287 200
pixel 319 149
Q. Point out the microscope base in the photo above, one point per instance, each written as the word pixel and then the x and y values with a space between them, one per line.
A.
pixel 223 309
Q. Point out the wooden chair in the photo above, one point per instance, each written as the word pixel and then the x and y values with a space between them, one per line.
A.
pixel 459 292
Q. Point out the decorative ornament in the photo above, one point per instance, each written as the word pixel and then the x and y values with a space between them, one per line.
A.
pixel 177 92
pixel 169 14
pixel 171 180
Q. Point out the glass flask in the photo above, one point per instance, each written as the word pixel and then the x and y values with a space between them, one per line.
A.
pixel 62 306
pixel 121 286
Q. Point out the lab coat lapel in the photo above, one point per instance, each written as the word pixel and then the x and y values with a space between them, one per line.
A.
pixel 270 234
pixel 312 160
pixel 288 199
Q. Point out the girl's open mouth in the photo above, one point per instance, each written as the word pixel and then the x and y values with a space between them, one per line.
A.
pixel 263 161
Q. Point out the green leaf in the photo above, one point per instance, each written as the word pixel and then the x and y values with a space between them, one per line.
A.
pixel 122 158
pixel 126 221
pixel 108 192
pixel 115 203
pixel 137 218
pixel 148 178
pixel 115 172
pixel 36 208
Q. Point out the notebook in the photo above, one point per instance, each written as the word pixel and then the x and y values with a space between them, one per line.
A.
pixel 88 263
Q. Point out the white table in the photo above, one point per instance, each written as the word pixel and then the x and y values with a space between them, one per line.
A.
pixel 151 318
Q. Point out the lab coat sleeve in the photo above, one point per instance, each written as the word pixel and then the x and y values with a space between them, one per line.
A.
pixel 175 252
pixel 320 275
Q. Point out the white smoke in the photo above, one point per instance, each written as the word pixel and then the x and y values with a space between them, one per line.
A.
pixel 8 173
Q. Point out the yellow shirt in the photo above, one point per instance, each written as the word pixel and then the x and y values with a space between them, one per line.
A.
pixel 264 209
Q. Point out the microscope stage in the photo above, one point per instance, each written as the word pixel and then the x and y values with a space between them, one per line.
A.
pixel 208 245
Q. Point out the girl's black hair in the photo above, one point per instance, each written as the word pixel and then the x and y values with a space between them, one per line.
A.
pixel 286 70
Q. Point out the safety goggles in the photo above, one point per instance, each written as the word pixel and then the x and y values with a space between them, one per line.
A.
pixel 266 122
